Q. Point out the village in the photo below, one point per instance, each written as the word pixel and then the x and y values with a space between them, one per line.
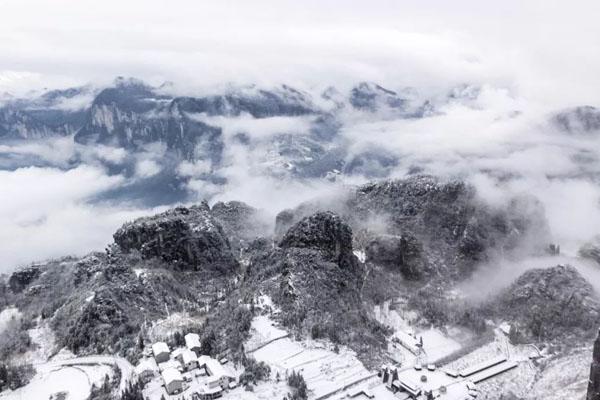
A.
pixel 183 372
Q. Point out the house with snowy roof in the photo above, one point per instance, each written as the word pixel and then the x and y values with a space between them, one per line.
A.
pixel 146 369
pixel 215 370
pixel 161 352
pixel 192 342
pixel 173 380
pixel 189 360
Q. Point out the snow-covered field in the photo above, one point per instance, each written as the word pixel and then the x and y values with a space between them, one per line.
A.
pixel 262 332
pixel 64 372
pixel 436 344
pixel 51 379
pixel 324 370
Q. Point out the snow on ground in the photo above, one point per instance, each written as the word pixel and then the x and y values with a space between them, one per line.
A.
pixel 456 389
pixel 324 370
pixel 262 331
pixel 360 254
pixel 564 378
pixel 395 318
pixel 267 391
pixel 162 329
pixel 264 302
pixel 436 344
pixel 7 315
pixel 51 379
pixel 518 380
pixel 139 272
pixel 44 342
pixel 155 389
pixel 65 372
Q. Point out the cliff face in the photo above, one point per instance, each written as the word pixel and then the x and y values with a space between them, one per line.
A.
pixel 187 238
pixel 593 392
pixel 548 303
pixel 447 228
pixel 324 231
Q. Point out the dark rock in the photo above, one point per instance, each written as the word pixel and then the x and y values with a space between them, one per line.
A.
pixel 284 221
pixel 324 231
pixel 23 277
pixel 369 96
pixel 404 253
pixel 457 229
pixel 99 318
pixel 241 223
pixel 189 238
pixel 551 302
pixel 132 114
pixel 593 390
pixel 42 116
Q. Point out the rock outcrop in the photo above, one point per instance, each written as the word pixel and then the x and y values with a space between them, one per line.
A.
pixel 43 116
pixel 314 277
pixel 593 391
pixel 404 253
pixel 23 277
pixel 455 227
pixel 324 231
pixel 241 223
pixel 186 238
pixel 548 303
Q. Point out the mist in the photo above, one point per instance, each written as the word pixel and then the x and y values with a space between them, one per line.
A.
pixel 58 197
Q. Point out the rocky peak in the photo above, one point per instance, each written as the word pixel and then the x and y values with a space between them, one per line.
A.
pixel 24 276
pixel 324 231
pixel 188 238
pixel 403 252
pixel 550 302
pixel 370 96
pixel 241 222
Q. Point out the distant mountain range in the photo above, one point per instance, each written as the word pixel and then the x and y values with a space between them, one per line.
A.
pixel 291 133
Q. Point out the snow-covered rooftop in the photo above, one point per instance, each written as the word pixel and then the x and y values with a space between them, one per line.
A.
pixel 188 356
pixel 177 352
pixel 192 340
pixel 146 364
pixel 168 364
pixel 214 367
pixel 171 375
pixel 159 348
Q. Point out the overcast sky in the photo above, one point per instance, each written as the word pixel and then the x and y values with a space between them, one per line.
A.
pixel 546 50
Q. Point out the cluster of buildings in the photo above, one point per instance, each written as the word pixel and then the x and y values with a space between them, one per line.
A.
pixel 182 366
pixel 428 382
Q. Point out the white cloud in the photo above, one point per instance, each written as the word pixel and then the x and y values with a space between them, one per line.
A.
pixel 45 213
pixel 194 169
pixel 257 128
pixel 147 168
pixel 547 51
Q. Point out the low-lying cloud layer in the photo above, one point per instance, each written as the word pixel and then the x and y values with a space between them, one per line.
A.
pixel 45 214
pixel 523 62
